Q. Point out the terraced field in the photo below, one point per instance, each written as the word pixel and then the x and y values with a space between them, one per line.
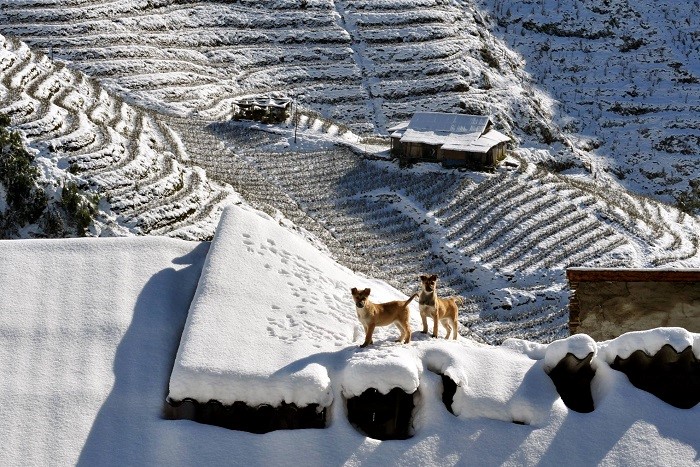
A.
pixel 366 64
pixel 501 240
pixel 126 154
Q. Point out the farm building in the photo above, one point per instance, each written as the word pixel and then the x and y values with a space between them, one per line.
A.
pixel 262 109
pixel 606 303
pixel 452 139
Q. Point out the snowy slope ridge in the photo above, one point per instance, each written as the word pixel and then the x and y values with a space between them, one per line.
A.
pixel 86 358
pixel 129 156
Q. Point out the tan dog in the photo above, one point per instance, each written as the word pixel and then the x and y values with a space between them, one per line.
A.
pixel 382 314
pixel 442 309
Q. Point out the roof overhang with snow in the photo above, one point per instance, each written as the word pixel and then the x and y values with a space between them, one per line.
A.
pixel 632 275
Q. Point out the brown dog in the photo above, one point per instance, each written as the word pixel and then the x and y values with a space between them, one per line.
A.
pixel 382 314
pixel 442 309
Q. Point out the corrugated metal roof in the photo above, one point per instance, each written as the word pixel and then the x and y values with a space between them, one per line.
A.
pixel 437 138
pixel 397 130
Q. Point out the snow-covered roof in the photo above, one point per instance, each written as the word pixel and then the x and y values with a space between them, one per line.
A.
pixel 267 300
pixel 440 122
pixel 88 330
pixel 397 130
pixel 278 102
pixel 481 144
pixel 454 132
pixel 89 327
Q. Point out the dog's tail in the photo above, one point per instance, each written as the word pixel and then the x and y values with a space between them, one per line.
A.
pixel 409 300
pixel 459 300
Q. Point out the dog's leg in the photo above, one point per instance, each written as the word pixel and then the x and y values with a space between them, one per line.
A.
pixel 435 323
pixel 368 336
pixel 424 317
pixel 402 331
pixel 364 326
pixel 448 328
pixel 455 323
pixel 405 328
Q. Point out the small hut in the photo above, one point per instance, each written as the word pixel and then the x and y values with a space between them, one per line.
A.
pixel 452 139
pixel 262 109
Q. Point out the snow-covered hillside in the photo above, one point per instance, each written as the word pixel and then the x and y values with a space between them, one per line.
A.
pixel 165 73
pixel 625 76
pixel 126 155
pixel 614 85
pixel 366 64
pixel 86 354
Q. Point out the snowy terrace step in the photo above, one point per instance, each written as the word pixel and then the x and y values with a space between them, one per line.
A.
pixel 122 152
pixel 202 207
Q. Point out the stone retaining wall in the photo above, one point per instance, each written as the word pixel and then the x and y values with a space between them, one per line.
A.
pixel 606 303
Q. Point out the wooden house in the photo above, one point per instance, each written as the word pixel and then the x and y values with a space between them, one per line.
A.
pixel 452 139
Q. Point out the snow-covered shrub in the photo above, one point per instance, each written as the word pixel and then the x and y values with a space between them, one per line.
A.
pixel 79 207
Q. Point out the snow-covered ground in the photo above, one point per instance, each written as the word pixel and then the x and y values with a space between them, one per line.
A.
pixel 89 330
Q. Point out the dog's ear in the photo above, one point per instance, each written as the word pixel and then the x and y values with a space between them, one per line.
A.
pixel 433 277
pixel 353 290
pixel 423 278
pixel 367 291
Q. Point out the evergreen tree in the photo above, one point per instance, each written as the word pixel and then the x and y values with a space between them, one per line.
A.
pixel 25 200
